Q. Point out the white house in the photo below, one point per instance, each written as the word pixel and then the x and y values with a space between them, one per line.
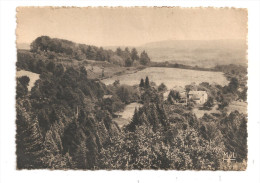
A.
pixel 200 97
pixel 107 96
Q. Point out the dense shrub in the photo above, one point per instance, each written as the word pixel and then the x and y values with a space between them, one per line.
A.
pixel 144 149
pixel 80 52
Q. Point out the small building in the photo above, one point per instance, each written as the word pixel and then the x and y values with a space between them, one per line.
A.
pixel 183 96
pixel 107 96
pixel 200 97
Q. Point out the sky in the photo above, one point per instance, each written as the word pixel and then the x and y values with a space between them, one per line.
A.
pixel 130 26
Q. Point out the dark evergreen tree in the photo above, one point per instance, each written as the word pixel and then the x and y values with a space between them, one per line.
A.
pixel 233 85
pixel 119 52
pixel 147 82
pixel 30 148
pixel 144 58
pixel 101 54
pixel 134 54
pixel 154 118
pixel 80 156
pixel 234 130
pixel 128 62
pixel 141 83
pixel 135 121
pixel 127 51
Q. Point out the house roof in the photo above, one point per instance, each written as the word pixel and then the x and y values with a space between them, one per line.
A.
pixel 197 94
pixel 183 94
pixel 107 96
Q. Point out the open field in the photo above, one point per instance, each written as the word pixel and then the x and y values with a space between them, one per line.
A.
pixel 33 77
pixel 171 77
pixel 239 106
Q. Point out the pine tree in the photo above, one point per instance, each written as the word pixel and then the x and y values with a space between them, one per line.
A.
pixel 135 121
pixel 30 148
pixel 152 116
pixel 134 54
pixel 119 52
pixel 162 115
pixel 81 156
pixel 128 62
pixel 144 58
pixel 143 119
pixel 135 117
pixel 141 83
pixel 147 83
pixel 127 51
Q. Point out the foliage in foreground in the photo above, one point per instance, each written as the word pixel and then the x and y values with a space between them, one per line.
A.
pixel 144 149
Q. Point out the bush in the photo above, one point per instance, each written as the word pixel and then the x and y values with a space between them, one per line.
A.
pixel 144 149
pixel 127 94
pixel 162 87
pixel 209 103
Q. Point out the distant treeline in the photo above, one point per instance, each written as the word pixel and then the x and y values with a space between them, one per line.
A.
pixel 231 68
pixel 181 66
pixel 82 51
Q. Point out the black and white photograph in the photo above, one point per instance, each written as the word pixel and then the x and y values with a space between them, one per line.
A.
pixel 131 88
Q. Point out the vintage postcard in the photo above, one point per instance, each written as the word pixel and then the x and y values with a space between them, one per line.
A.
pixel 131 88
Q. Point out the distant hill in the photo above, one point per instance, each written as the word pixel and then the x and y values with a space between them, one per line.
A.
pixel 203 53
pixel 198 44
pixel 198 52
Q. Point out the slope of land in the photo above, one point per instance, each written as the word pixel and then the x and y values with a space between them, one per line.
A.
pixel 203 53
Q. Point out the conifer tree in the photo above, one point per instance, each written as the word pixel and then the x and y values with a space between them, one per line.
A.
pixel 134 54
pixel 135 121
pixel 141 83
pixel 147 83
pixel 128 62
pixel 135 117
pixel 30 148
pixel 143 119
pixel 144 58
pixel 119 52
pixel 81 156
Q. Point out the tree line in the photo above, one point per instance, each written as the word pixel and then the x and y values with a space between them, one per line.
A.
pixel 165 135
pixel 64 121
pixel 82 51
